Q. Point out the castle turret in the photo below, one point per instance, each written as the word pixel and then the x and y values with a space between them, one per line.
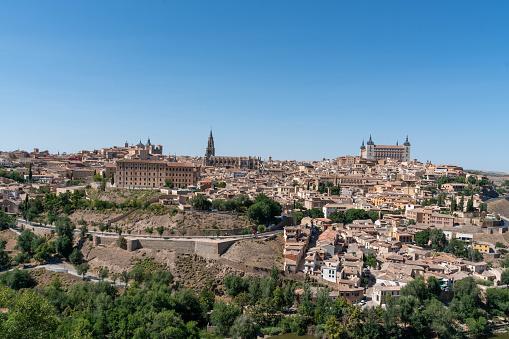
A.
pixel 370 149
pixel 363 150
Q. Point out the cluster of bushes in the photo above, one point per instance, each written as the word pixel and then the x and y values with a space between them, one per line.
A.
pixel 13 176
pixel 152 307
pixel 6 221
pixel 67 203
pixel 348 216
pixel 74 182
pixel 240 204
pixel 261 210
pixel 323 188
pixel 436 238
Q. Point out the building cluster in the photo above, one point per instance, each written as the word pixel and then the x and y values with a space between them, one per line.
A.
pixel 382 180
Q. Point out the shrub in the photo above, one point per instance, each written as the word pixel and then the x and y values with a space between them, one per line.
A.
pixel 17 279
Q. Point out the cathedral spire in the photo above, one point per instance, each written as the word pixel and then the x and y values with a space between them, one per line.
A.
pixel 210 151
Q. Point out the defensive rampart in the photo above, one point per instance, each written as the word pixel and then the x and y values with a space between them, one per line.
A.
pixel 210 249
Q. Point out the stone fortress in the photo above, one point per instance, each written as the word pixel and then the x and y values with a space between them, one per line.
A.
pixel 370 151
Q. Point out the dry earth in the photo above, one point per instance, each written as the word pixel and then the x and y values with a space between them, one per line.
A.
pixel 257 253
pixel 44 277
pixel 11 240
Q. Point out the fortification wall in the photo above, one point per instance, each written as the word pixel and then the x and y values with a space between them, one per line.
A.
pixel 206 249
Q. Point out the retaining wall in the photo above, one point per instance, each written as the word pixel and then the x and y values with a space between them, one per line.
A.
pixel 206 249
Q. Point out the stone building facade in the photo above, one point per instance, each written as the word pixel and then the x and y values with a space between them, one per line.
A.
pixel 152 174
pixel 370 151
pixel 211 159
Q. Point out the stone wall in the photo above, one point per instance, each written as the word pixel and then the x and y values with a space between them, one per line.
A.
pixel 204 248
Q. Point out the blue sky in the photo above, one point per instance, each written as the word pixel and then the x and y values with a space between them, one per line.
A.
pixel 288 79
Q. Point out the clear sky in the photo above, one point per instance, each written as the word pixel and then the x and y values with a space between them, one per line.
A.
pixel 300 80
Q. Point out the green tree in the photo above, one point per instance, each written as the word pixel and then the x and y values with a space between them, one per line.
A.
pixel 168 183
pixel 43 252
pixel 83 231
pixel 500 245
pixel 461 205
pixel 422 237
pixel 103 273
pixel 439 319
pixel 21 258
pixel 505 276
pixel 31 316
pixel 200 202
pixel 160 230
pixel 124 276
pixel 243 328
pixel 297 217
pixel 75 257
pixel 25 240
pixel 122 242
pixel 416 288
pixel 30 172
pixel 470 204
pixel 335 330
pixel 234 285
pixel 315 213
pixel 437 238
pixel 370 260
pixel 63 246
pixel 264 209
pixel 453 204
pixel 223 317
pixel 373 215
pixel 6 220
pixel 261 228
pixel 434 288
pixel 477 326
pixel 17 279
pixel 5 260
pixel 82 269
pixel 65 227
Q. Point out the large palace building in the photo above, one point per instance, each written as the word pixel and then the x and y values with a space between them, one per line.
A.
pixel 211 159
pixel 371 151
pixel 152 174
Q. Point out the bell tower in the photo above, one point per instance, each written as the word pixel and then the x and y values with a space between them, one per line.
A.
pixel 211 150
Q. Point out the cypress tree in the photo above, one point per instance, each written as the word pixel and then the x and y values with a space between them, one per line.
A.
pixel 453 204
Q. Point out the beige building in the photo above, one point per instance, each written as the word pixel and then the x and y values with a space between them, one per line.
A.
pixel 428 217
pixel 152 174
pixel 381 152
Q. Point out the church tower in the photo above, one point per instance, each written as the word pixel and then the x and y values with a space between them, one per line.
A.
pixel 406 154
pixel 211 150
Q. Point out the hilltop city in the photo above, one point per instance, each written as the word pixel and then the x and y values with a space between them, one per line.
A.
pixel 332 248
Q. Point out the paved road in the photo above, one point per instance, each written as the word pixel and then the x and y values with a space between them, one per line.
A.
pixel 224 237
pixel 497 198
